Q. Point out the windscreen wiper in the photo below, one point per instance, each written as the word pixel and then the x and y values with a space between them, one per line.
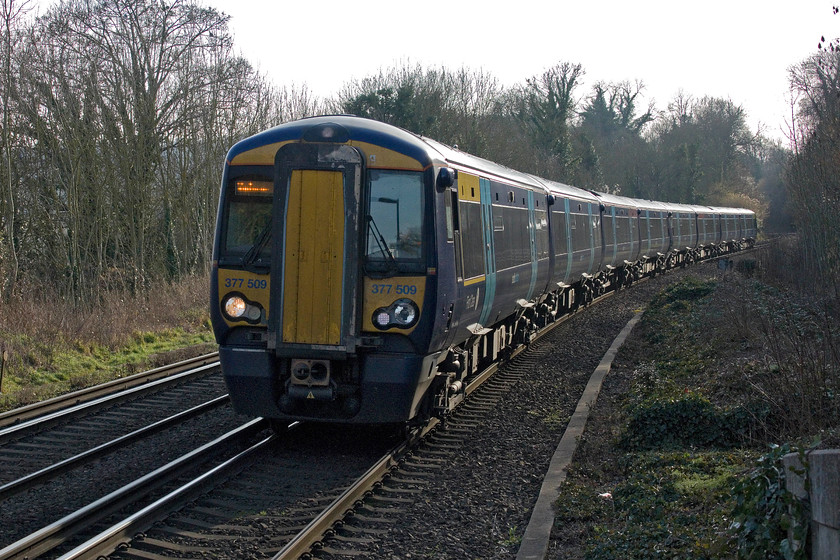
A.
pixel 382 244
pixel 252 254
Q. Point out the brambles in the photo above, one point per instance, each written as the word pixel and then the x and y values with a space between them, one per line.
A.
pixel 767 518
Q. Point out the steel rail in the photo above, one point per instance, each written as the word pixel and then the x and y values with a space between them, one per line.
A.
pixel 18 415
pixel 58 532
pixel 42 476
pixel 314 531
pixel 107 541
pixel 64 414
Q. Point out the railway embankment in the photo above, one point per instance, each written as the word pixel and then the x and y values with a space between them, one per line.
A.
pixel 683 453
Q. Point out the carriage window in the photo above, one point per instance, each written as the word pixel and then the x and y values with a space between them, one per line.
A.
pixel 395 216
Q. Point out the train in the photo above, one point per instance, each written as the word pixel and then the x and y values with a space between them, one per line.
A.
pixel 361 273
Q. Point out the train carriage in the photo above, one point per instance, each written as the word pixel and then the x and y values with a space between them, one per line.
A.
pixel 362 273
pixel 575 242
pixel 620 237
pixel 708 231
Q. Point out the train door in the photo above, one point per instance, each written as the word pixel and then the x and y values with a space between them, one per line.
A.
pixel 316 227
pixel 532 230
pixel 672 234
pixel 610 227
pixel 489 251
pixel 596 237
pixel 565 239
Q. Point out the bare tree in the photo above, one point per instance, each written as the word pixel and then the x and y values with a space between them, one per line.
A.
pixel 130 108
pixel 12 12
pixel 812 175
pixel 144 54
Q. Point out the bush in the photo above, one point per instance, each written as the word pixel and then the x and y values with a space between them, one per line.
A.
pixel 688 421
pixel 767 518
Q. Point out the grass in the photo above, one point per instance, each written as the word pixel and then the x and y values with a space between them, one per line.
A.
pixel 689 411
pixel 54 347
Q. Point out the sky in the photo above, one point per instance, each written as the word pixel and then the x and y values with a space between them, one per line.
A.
pixel 736 49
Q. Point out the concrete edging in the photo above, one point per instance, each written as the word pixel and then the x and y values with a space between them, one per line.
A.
pixel 536 538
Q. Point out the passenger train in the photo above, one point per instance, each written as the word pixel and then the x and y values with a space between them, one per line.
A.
pixel 362 273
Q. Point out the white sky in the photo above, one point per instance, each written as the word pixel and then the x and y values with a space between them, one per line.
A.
pixel 734 49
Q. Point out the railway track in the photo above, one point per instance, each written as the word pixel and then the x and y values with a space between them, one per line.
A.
pixel 46 461
pixel 106 421
pixel 223 510
pixel 311 493
pixel 56 535
pixel 84 398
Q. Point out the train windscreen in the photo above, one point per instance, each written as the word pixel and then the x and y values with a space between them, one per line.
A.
pixel 248 218
pixel 395 217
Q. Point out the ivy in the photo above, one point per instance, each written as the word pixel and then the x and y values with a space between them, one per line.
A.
pixel 770 522
pixel 689 420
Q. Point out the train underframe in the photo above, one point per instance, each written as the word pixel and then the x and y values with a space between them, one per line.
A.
pixel 488 344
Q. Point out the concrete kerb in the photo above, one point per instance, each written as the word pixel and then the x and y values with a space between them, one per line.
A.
pixel 536 538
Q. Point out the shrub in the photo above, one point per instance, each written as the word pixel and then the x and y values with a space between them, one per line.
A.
pixel 767 518
pixel 687 421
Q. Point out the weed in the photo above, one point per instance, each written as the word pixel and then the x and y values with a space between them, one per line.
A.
pixel 713 369
pixel 767 517
pixel 513 539
pixel 62 347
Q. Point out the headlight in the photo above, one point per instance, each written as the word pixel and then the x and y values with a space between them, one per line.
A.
pixel 381 319
pixel 405 312
pixel 237 308
pixel 402 314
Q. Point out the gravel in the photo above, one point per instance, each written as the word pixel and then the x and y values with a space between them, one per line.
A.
pixel 481 504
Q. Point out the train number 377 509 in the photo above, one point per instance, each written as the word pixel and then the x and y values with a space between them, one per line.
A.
pixel 253 283
pixel 396 289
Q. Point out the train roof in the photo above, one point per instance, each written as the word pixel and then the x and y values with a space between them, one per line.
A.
pixel 654 205
pixel 723 210
pixel 345 128
pixel 339 128
pixel 457 158
pixel 569 191
pixel 617 200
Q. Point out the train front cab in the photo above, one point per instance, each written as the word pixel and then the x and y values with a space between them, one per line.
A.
pixel 323 275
